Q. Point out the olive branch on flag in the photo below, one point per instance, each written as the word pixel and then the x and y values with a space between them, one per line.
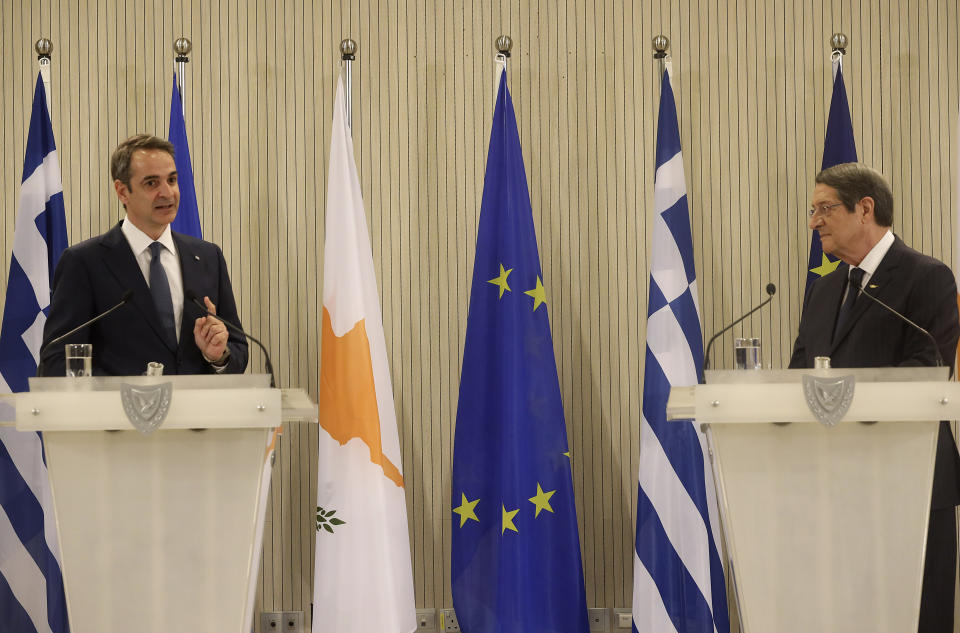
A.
pixel 326 519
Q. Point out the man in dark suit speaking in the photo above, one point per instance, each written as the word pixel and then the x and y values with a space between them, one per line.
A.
pixel 853 212
pixel 142 255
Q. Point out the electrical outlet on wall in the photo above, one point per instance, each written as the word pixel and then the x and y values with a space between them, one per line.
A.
pixel 281 621
pixel 448 621
pixel 292 622
pixel 599 619
pixel 426 620
pixel 622 618
pixel 270 621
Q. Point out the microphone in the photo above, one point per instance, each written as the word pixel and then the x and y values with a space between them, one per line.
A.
pixel 192 296
pixel 123 301
pixel 771 290
pixel 936 348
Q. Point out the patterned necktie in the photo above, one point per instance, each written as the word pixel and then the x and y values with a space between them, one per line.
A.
pixel 853 291
pixel 160 290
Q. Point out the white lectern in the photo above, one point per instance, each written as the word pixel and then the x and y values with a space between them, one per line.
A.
pixel 825 525
pixel 158 530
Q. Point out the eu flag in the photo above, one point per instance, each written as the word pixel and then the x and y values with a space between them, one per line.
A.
pixel 838 147
pixel 188 215
pixel 516 550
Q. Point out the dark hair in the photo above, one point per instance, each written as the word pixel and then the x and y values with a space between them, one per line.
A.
pixel 855 181
pixel 120 160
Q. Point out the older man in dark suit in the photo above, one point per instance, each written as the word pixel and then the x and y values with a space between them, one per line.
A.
pixel 853 213
pixel 159 267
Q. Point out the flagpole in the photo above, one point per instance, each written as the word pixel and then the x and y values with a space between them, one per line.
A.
pixel 660 45
pixel 348 52
pixel 182 47
pixel 44 47
pixel 839 43
pixel 504 44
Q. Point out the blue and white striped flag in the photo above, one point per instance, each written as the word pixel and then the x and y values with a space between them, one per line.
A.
pixel 31 584
pixel 678 582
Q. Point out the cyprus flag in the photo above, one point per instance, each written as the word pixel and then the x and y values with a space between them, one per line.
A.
pixel 363 580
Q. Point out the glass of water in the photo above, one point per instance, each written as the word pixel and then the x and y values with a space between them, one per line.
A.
pixel 79 359
pixel 746 353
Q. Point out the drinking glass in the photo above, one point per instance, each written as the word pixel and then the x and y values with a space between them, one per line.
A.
pixel 79 359
pixel 746 353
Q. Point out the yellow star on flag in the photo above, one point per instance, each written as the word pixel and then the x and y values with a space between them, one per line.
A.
pixel 539 294
pixel 507 523
pixel 542 500
pixel 466 509
pixel 501 281
pixel 826 266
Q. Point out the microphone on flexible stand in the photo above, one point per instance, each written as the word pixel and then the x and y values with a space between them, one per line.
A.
pixel 123 301
pixel 192 296
pixel 771 290
pixel 936 348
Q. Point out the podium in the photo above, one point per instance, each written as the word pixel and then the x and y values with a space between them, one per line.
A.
pixel 825 526
pixel 159 530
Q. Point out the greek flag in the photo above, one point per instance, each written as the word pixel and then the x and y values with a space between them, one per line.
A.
pixel 678 582
pixel 31 585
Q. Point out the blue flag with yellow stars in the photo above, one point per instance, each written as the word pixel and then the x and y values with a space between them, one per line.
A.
pixel 838 147
pixel 516 550
pixel 188 215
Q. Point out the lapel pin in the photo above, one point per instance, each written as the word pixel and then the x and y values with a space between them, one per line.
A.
pixel 196 257
pixel 872 286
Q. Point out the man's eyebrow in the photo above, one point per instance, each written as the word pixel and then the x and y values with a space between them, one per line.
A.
pixel 149 176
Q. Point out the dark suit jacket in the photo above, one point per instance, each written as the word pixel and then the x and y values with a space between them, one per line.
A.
pixel 92 276
pixel 919 287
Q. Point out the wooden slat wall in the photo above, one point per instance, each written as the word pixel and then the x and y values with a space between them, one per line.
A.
pixel 752 79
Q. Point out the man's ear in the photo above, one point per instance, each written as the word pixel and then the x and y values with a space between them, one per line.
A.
pixel 867 203
pixel 122 192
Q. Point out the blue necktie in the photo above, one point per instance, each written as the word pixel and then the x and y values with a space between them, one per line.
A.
pixel 160 290
pixel 853 290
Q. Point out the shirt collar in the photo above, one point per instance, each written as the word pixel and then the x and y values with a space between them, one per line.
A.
pixel 140 241
pixel 875 256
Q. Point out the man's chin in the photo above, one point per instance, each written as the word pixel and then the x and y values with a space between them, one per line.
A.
pixel 166 216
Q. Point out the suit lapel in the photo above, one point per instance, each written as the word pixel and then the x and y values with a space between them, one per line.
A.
pixel 189 269
pixel 831 286
pixel 120 261
pixel 879 285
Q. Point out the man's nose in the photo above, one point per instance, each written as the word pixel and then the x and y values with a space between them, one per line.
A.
pixel 167 190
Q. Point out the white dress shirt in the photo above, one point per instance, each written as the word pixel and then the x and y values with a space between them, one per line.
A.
pixel 872 260
pixel 140 244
